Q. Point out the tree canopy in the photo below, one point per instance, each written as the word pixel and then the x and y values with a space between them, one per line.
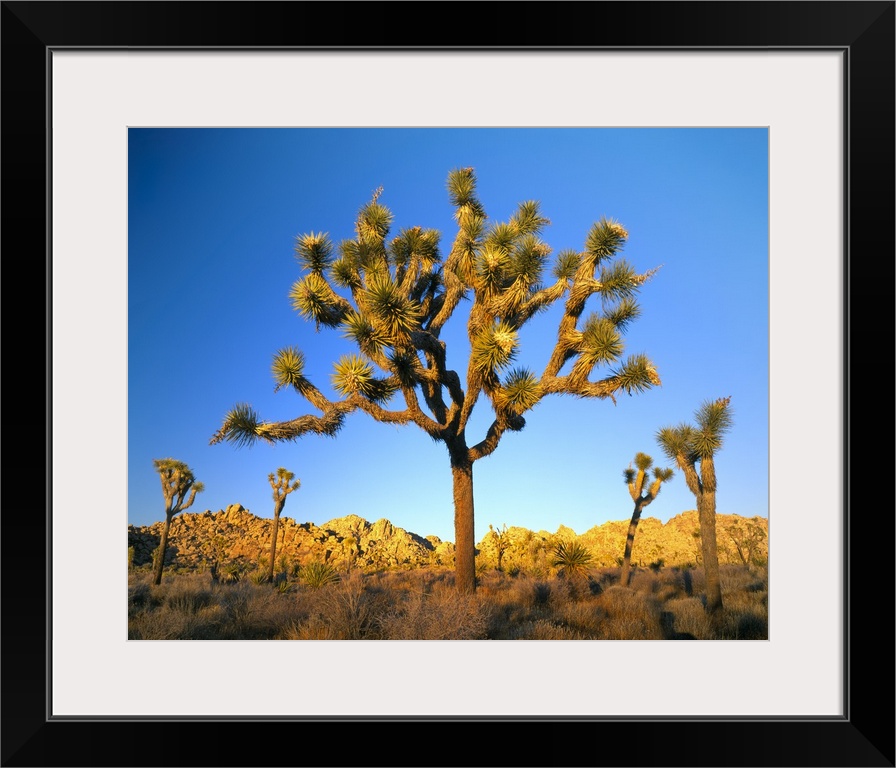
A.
pixel 393 298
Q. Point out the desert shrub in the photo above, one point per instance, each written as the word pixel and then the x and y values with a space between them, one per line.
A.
pixel 685 615
pixel 647 582
pixel 310 628
pixel 317 574
pixel 737 624
pixel 348 608
pixel 584 617
pixel 438 615
pixel 752 626
pixel 341 610
pixel 513 602
pixel 422 604
pixel 139 595
pixel 626 614
pixel 246 611
pixel 549 629
pixel 166 623
pixel 188 600
pixel 181 608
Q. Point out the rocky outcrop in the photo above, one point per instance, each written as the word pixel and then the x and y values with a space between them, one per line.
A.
pixel 236 535
pixel 674 543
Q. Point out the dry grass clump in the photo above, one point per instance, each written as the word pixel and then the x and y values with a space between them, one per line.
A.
pixel 628 614
pixel 684 619
pixel 192 607
pixel 423 604
pixel 546 629
pixel 438 615
pixel 335 610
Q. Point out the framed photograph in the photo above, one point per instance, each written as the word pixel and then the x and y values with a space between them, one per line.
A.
pixel 815 78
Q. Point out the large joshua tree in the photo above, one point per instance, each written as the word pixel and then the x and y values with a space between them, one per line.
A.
pixel 283 484
pixel 394 297
pixel 179 487
pixel 689 445
pixel 643 492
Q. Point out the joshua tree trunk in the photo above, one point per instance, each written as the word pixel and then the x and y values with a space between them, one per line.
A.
pixel 629 542
pixel 706 509
pixel 163 545
pixel 278 508
pixel 464 531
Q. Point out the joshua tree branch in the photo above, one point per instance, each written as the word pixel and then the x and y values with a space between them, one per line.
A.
pixel 495 432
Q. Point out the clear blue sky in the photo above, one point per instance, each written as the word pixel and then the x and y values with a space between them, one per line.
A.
pixel 213 216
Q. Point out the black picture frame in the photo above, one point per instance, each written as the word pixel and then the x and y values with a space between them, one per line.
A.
pixel 864 736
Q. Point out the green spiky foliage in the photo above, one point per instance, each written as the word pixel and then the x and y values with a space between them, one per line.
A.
pixel 317 574
pixel 392 296
pixel 643 491
pixel 692 447
pixel 282 483
pixel 573 559
pixel 179 488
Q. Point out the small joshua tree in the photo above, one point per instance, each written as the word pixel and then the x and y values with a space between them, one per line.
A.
pixel 501 541
pixel 179 488
pixel 642 494
pixel 689 445
pixel 283 485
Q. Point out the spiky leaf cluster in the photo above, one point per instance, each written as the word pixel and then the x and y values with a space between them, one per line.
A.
pixel 637 374
pixel 567 264
pixel 371 338
pixel 317 574
pixel 288 368
pixel 663 474
pixel 714 419
pixel 601 342
pixel 387 306
pixel 605 239
pixel 520 392
pixel 314 252
pixel 353 374
pixel 689 443
pixel 315 300
pixel 494 347
pixel 637 479
pixel 573 557
pixel 240 426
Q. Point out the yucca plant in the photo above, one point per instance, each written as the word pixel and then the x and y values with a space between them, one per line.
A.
pixel 258 577
pixel 317 574
pixel 572 558
pixel 393 297
pixel 232 573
